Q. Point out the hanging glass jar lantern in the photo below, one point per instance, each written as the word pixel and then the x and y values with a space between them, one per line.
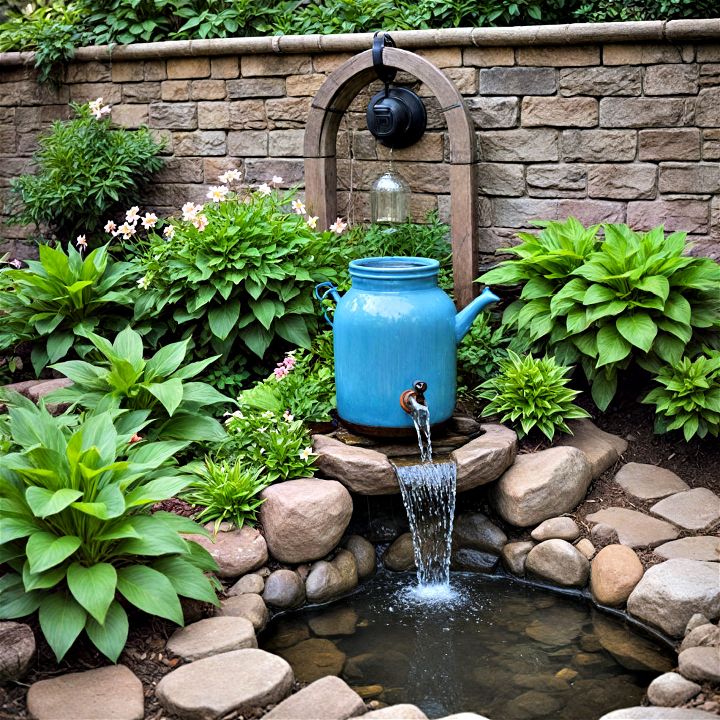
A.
pixel 389 198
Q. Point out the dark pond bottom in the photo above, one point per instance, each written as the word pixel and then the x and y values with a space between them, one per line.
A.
pixel 498 648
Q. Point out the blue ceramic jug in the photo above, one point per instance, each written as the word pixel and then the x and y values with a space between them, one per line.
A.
pixel 393 328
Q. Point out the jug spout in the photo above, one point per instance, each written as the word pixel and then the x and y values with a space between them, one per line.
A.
pixel 464 319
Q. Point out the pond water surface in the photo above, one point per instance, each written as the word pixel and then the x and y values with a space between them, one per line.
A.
pixel 498 648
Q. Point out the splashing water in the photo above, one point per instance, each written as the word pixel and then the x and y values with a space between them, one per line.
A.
pixel 421 420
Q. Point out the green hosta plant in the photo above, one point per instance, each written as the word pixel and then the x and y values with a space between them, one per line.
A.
pixel 58 299
pixel 226 491
pixel 160 384
pixel 529 392
pixel 77 534
pixel 689 396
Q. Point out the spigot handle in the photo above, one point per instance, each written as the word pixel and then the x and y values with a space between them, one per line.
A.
pixel 322 290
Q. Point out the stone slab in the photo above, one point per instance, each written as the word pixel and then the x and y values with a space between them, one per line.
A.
pixel 328 698
pixel 486 458
pixel 396 712
pixel 648 482
pixel 602 449
pixel 658 713
pixel 634 528
pixel 697 509
pixel 701 547
pixel 212 636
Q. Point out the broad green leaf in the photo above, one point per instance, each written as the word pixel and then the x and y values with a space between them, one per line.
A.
pixel 612 347
pixel 15 601
pixel 111 636
pixel 203 394
pixel 155 538
pixel 293 329
pixel 155 454
pixel 597 294
pixel 603 389
pixel 194 368
pixel 109 504
pixel 156 490
pixel 45 550
pixel 43 580
pixel 223 319
pixel 45 502
pixel 193 427
pixel 93 587
pixel 79 371
pixel 129 346
pixel 678 308
pixel 58 345
pixel 150 591
pixel 169 393
pixel 257 338
pixel 655 284
pixel 61 620
pixel 264 311
pixel 166 360
pixel 187 579
pixel 638 329
pixel 13 528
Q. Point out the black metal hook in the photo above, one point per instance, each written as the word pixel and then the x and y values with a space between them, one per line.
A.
pixel 387 74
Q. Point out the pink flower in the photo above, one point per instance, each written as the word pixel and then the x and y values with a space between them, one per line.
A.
pixel 289 362
pixel 110 226
pixel 280 372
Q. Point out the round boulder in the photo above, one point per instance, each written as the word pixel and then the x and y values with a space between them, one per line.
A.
pixel 17 649
pixel 236 551
pixel 671 689
pixel 560 562
pixel 515 554
pixel 304 519
pixel 364 552
pixel 400 556
pixel 249 606
pixel 284 589
pixel 614 573
pixel 329 580
pixel 251 583
pixel 475 531
pixel 562 528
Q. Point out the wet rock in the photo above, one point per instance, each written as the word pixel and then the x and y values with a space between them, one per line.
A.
pixel 658 713
pixel 556 628
pixel 696 620
pixel 209 688
pixel 560 528
pixel 514 555
pixel 314 658
pixel 212 636
pixel 248 606
pixel 702 547
pixel 586 548
pixel 590 643
pixel 400 555
pixel 328 698
pixel 560 562
pixel 541 485
pixel 112 691
pixel 670 593
pixel 486 458
pixel 701 664
pixel 601 448
pixel 337 621
pixel 252 583
pixel 566 674
pixel 17 650
pixel 697 509
pixel 670 689
pixel 614 573
pixel 364 471
pixel 284 589
pixel 706 635
pixel 286 632
pixel 329 580
pixel 366 692
pixel 304 519
pixel 390 664
pixel 474 530
pixel 648 482
pixel 473 560
pixel 236 551
pixel 396 712
pixel 364 553
pixel 635 529
pixel 533 704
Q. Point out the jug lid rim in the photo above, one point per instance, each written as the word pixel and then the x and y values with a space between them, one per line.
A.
pixel 394 267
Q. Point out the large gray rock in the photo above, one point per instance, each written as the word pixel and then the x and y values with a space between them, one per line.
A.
pixel 400 555
pixel 329 580
pixel 212 636
pixel 514 555
pixel 670 689
pixel 364 471
pixel 236 552
pixel 602 449
pixel 364 553
pixel 328 698
pixel 249 606
pixel 314 658
pixel 396 712
pixel 701 664
pixel 17 650
pixel 560 528
pixel 108 693
pixel 697 509
pixel 304 519
pixel 658 713
pixel 334 622
pixel 670 593
pixel 633 528
pixel 559 561
pixel 648 482
pixel 541 485
pixel 251 583
pixel 485 458
pixel 615 571
pixel 284 589
pixel 237 681
pixel 473 560
pixel 702 547
pixel 475 531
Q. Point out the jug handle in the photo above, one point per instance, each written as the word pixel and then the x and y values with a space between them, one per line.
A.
pixel 322 291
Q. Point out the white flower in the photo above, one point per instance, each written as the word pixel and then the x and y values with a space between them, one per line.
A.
pixel 190 210
pixel 132 215
pixel 217 193
pixel 169 231
pixel 200 222
pixel 298 206
pixel 287 416
pixel 264 189
pixel 126 230
pixel 338 226
pixel 110 226
pixel 81 242
pixel 262 429
pixel 98 109
pixel 268 414
pixel 306 453
pixel 276 180
pixel 230 176
pixel 312 221
pixel 143 282
pixel 149 220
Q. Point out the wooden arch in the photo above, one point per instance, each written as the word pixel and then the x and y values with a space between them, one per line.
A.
pixel 326 111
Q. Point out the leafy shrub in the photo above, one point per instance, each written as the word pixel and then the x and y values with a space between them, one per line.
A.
pixel 610 11
pixel 60 298
pixel 633 297
pixel 226 491
pixel 689 397
pixel 126 380
pixel 530 392
pixel 77 533
pixel 86 169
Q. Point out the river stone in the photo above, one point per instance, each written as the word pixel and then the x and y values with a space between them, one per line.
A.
pixel 702 547
pixel 304 519
pixel 473 560
pixel 17 649
pixel 603 535
pixel 364 471
pixel 697 509
pixel 286 631
pixel 559 561
pixel 236 551
pixel 701 636
pixel 696 620
pixel 239 681
pixel 614 573
pixel 648 482
pixel 329 580
pixel 212 636
pixel 249 606
pixel 635 529
pixel 328 698
pixel 252 583
pixel 108 693
pixel 658 713
pixel 700 663
pixel 403 711
pixel 586 548
pixel 464 716
pixel 555 627
pixel 314 658
pixel 533 703
pixel 671 689
pixel 561 528
pixel 671 592
pixel 540 485
pixel 364 553
pixel 333 622
pixel 485 458
pixel 515 554
pixel 474 530
pixel 400 555
pixel 284 589
pixel 602 449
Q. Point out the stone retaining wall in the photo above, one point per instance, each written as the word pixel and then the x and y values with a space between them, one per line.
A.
pixel 611 122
